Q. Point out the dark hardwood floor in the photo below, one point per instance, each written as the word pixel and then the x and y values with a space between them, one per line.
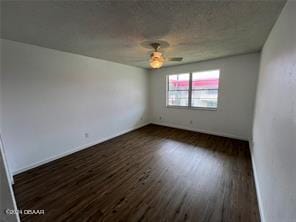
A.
pixel 152 174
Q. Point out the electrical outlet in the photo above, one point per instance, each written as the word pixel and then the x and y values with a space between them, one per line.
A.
pixel 86 135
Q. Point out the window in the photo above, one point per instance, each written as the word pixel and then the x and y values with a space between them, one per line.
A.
pixel 205 87
pixel 196 90
pixel 178 89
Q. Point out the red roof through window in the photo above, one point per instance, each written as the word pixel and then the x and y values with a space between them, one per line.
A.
pixel 205 83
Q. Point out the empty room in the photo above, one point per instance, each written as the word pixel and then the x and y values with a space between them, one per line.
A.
pixel 155 111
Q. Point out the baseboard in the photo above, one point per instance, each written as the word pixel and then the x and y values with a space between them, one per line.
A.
pixel 199 130
pixel 55 157
pixel 258 192
pixel 12 179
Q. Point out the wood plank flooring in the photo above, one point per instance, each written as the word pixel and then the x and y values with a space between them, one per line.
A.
pixel 152 174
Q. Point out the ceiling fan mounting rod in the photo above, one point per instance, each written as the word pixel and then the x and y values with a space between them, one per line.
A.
pixel 155 45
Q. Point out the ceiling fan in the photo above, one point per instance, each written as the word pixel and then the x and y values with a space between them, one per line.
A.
pixel 157 59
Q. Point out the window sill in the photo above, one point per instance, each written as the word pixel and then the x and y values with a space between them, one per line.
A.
pixel 192 108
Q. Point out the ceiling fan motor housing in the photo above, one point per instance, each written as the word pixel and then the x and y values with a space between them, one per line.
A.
pixel 157 55
pixel 155 45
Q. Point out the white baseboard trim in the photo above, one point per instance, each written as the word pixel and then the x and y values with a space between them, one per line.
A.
pixel 55 157
pixel 199 130
pixel 39 163
pixel 258 192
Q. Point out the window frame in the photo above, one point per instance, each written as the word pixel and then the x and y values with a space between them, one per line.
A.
pixel 190 93
pixel 167 91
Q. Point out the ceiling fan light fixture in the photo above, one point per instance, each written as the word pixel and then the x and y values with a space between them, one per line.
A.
pixel 156 64
pixel 156 60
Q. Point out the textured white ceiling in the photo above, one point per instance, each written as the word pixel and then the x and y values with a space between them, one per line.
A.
pixel 114 30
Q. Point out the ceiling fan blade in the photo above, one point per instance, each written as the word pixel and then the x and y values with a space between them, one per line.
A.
pixel 175 59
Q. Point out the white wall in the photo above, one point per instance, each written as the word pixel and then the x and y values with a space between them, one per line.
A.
pixel 52 98
pixel 0 91
pixel 7 200
pixel 274 132
pixel 233 118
